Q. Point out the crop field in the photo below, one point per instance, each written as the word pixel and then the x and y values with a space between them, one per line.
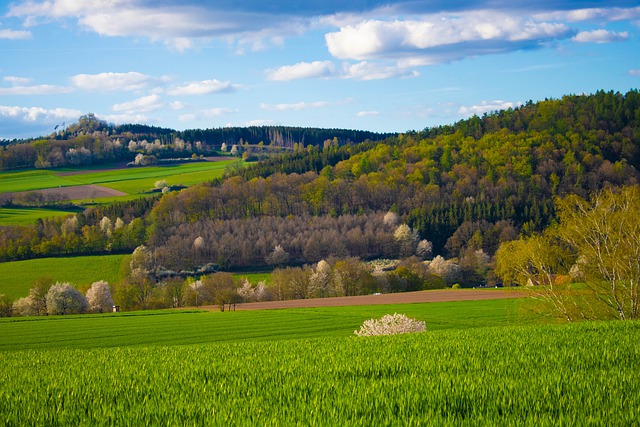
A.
pixel 580 374
pixel 17 277
pixel 179 327
pixel 131 180
pixel 23 216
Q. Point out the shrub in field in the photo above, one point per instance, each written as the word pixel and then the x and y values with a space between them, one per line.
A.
pixel 24 307
pixel 99 297
pixel 62 298
pixel 6 306
pixel 390 324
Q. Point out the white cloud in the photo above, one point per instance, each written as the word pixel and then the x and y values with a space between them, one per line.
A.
pixel 34 90
pixel 20 81
pixel 441 37
pixel 297 106
pixel 177 24
pixel 367 113
pixel 606 14
pixel 22 122
pixel 33 114
pixel 486 107
pixel 114 81
pixel 177 105
pixel 302 70
pixel 600 36
pixel 140 105
pixel 204 87
pixel 14 35
pixel 127 118
pixel 187 117
pixel 634 73
pixel 216 112
pixel 372 71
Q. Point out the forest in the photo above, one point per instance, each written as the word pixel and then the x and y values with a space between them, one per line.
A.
pixel 461 190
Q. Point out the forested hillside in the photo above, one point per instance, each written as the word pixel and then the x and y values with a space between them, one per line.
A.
pixel 92 141
pixel 464 188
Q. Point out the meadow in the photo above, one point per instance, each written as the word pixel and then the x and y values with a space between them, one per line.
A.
pixel 17 277
pixel 578 374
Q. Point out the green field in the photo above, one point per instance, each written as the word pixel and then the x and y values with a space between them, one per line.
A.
pixel 581 374
pixel 17 277
pixel 24 216
pixel 134 180
pixel 170 327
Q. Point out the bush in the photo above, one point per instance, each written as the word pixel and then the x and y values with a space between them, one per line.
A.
pixel 62 298
pixel 391 325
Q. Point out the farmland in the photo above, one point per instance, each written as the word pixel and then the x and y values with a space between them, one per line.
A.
pixel 17 277
pixel 526 375
pixel 83 184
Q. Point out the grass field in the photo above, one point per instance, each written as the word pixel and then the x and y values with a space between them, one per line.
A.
pixel 23 216
pixel 582 374
pixel 17 277
pixel 180 328
pixel 129 180
pixel 135 182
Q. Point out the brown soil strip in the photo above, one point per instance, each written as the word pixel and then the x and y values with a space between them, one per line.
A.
pixel 443 295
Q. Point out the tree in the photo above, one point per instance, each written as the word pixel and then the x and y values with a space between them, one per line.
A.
pixel 278 257
pixel 320 280
pixel 6 306
pixel 38 294
pixel 62 298
pixel 407 240
pixel 99 297
pixel 604 235
pixel 24 307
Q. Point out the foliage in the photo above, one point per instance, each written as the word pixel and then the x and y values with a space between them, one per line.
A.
pixel 601 239
pixel 99 297
pixel 390 324
pixel 64 298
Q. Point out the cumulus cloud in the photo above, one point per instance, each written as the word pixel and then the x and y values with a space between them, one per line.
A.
pixel 441 38
pixel 20 122
pixel 302 70
pixel 600 14
pixel 175 23
pixel 634 73
pixel 486 107
pixel 114 81
pixel 204 87
pixel 15 34
pixel 140 105
pixel 600 36
pixel 297 106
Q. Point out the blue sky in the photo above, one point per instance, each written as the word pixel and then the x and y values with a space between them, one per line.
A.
pixel 361 64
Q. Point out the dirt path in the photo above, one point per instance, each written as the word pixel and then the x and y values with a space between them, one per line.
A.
pixel 442 295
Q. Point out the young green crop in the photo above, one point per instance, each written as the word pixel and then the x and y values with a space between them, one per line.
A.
pixel 584 374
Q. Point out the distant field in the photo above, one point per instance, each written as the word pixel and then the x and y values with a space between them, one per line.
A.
pixel 132 182
pixel 25 216
pixel 16 277
pixel 170 327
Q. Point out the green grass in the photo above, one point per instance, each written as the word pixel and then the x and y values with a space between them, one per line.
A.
pixel 129 180
pixel 254 278
pixel 17 277
pixel 583 374
pixel 26 216
pixel 181 328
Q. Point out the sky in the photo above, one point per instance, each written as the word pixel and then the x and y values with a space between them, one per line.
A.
pixel 385 66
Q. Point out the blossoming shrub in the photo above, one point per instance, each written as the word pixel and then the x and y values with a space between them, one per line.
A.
pixel 391 325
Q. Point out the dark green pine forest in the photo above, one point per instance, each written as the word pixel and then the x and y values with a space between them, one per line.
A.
pixel 464 187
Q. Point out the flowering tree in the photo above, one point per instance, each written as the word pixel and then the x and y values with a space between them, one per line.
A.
pixel 390 325
pixel 62 298
pixel 99 297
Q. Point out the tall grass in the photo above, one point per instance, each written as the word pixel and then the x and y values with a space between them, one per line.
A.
pixel 584 374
